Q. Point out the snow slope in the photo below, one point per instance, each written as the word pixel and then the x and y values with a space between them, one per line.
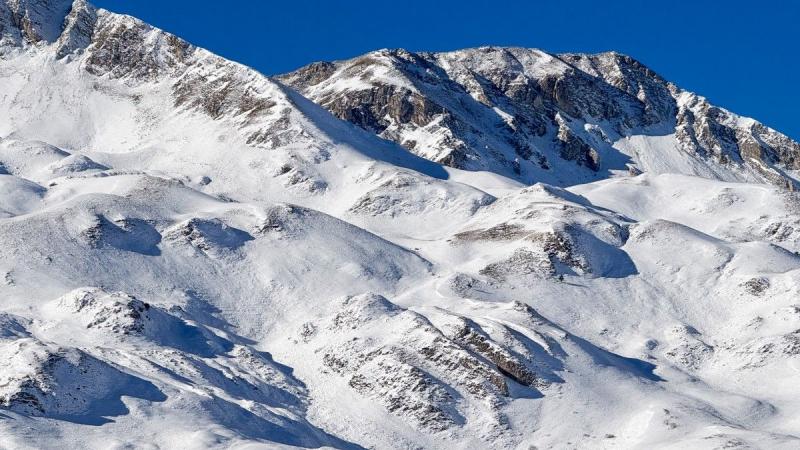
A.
pixel 193 255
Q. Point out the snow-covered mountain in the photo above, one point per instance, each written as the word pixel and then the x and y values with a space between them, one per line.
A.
pixel 534 116
pixel 193 255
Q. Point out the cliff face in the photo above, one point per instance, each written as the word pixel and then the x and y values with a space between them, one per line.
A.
pixel 536 116
pixel 34 21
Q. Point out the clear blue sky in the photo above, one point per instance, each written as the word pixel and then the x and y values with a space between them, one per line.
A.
pixel 742 55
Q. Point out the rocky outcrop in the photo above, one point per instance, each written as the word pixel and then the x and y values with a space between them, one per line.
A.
pixel 32 21
pixel 210 236
pixel 688 349
pixel 544 231
pixel 470 335
pixel 125 47
pixel 432 374
pixel 116 312
pixel 38 379
pixel 122 47
pixel 572 148
pixel 531 115
pixel 78 28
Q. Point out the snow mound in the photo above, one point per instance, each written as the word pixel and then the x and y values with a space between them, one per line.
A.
pixel 207 235
pixel 74 164
pixel 29 159
pixel 544 231
pixel 118 313
pixel 42 380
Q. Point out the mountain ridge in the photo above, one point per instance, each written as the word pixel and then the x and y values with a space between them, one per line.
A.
pixel 709 141
pixel 194 255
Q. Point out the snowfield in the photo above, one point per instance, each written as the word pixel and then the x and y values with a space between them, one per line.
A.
pixel 193 255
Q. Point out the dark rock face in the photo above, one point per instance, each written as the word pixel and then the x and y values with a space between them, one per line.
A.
pixel 315 73
pixel 756 286
pixel 472 337
pixel 67 23
pixel 457 103
pixel 33 21
pixel 118 313
pixel 572 148
pixel 712 132
pixel 531 115
pixel 376 108
pixel 78 28
pixel 649 94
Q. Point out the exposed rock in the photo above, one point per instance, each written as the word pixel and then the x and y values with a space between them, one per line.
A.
pixel 33 21
pixel 40 380
pixel 507 110
pixel 688 349
pixel 756 286
pixel 117 312
pixel 207 235
pixel 573 148
pixel 417 371
pixel 474 338
pixel 78 28
pixel 522 262
pixel 120 49
pixel 501 232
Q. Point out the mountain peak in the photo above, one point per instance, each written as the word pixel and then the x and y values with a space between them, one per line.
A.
pixel 536 116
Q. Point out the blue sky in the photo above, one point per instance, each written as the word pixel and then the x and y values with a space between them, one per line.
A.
pixel 742 55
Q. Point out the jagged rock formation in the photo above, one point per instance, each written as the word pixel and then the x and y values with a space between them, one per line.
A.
pixel 535 116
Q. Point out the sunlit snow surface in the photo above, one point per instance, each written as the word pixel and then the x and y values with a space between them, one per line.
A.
pixel 194 256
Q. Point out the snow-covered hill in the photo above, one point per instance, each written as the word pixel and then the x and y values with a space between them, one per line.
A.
pixel 193 255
